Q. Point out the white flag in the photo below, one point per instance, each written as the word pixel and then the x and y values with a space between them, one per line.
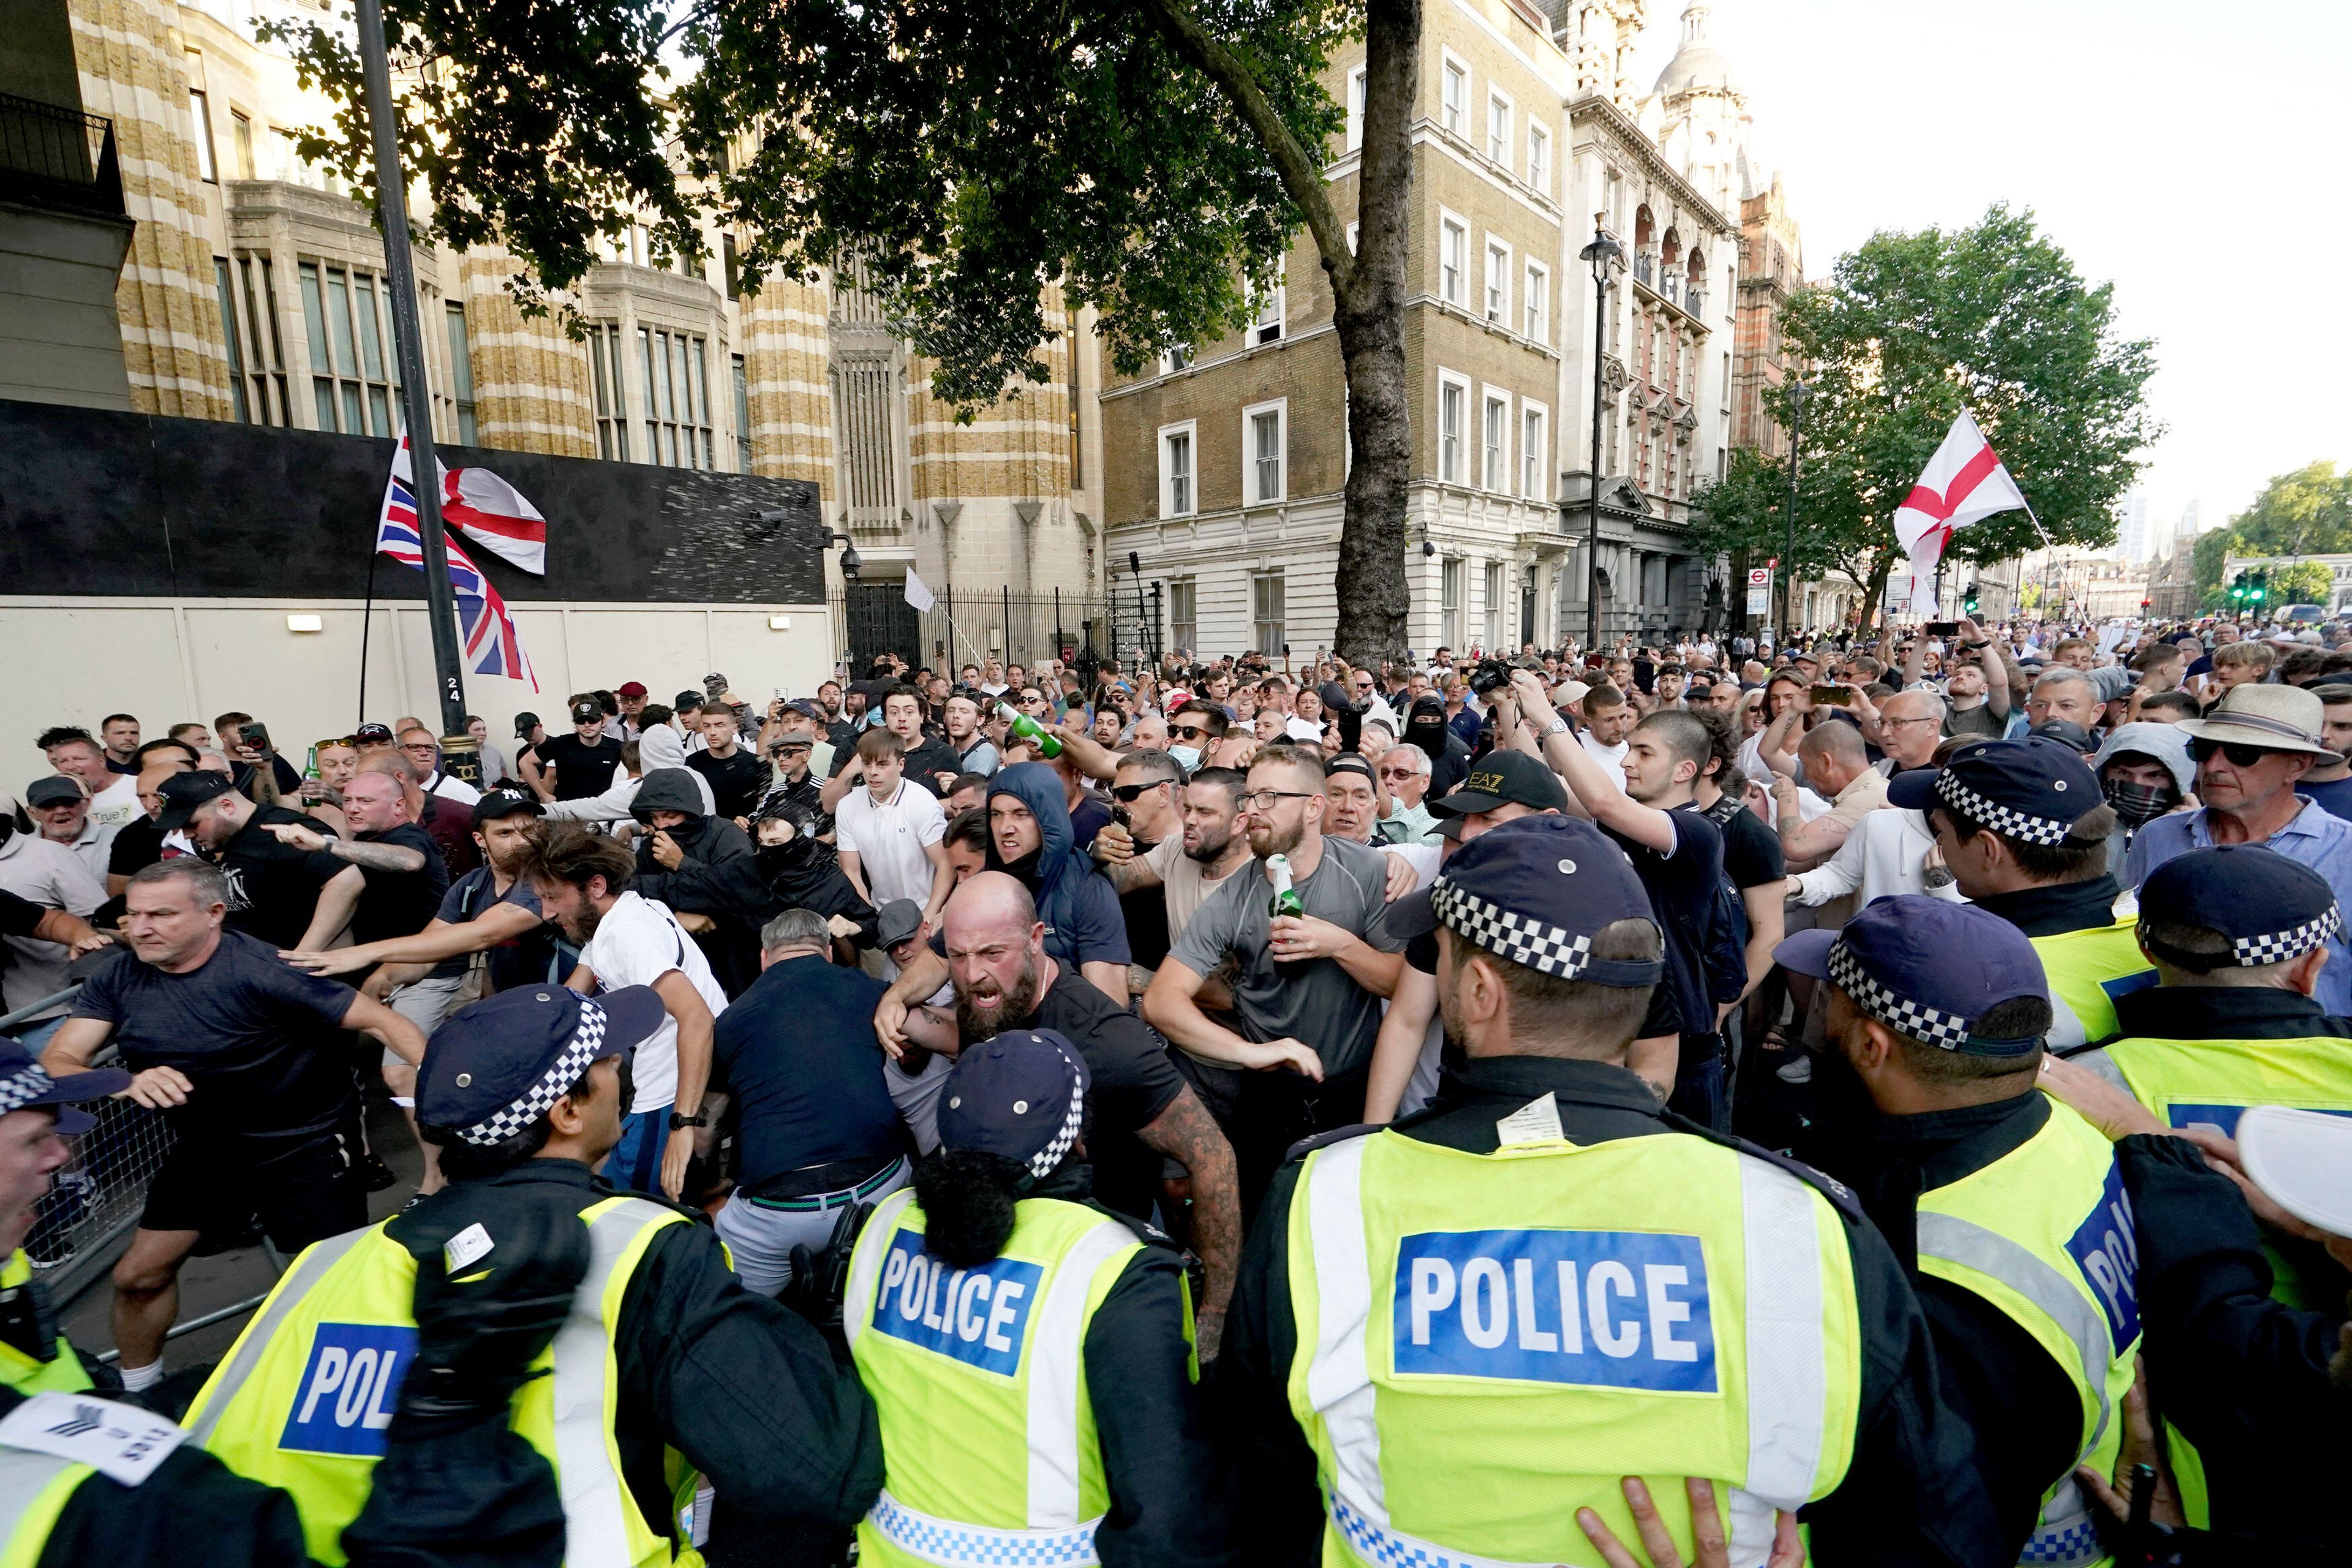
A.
pixel 916 594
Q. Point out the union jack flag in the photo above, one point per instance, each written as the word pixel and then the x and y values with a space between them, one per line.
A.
pixel 491 645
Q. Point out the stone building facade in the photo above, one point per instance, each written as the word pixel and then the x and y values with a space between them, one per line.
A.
pixel 256 291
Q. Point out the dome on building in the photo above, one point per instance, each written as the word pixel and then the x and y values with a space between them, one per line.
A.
pixel 1697 66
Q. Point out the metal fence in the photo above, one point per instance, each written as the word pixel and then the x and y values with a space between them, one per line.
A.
pixel 96 1199
pixel 967 627
pixel 60 154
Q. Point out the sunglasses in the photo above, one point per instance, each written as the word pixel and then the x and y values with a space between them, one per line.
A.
pixel 1188 731
pixel 1127 795
pixel 2241 755
pixel 1398 775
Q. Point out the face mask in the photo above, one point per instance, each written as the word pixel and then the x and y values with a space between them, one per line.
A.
pixel 774 860
pixel 1187 757
pixel 2138 803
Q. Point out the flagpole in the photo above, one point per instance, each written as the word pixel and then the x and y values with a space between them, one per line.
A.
pixel 461 757
pixel 367 624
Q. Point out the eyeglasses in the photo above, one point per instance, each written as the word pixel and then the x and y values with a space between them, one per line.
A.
pixel 1264 799
pixel 1918 719
pixel 1188 731
pixel 1399 776
pixel 2241 755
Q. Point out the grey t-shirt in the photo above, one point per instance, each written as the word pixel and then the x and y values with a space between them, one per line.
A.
pixel 1315 1001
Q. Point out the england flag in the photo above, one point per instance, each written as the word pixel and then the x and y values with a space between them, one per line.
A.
pixel 488 510
pixel 490 643
pixel 1965 483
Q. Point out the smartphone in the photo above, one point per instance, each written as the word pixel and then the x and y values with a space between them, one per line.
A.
pixel 1833 696
pixel 255 735
pixel 1941 629
pixel 1285 650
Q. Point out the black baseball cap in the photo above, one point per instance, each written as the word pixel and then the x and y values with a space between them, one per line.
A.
pixel 524 724
pixel 499 802
pixel 2270 908
pixel 586 711
pixel 1349 762
pixel 24 1083
pixel 1022 1095
pixel 183 792
pixel 805 708
pixel 1536 891
pixel 366 733
pixel 55 790
pixel 496 1066
pixel 686 700
pixel 2034 790
pixel 1504 774
pixel 1927 969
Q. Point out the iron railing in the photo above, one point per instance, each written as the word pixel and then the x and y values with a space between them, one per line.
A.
pixel 58 155
pixel 967 627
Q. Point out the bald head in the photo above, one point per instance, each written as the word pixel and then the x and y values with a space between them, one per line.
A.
pixel 1835 741
pixel 987 902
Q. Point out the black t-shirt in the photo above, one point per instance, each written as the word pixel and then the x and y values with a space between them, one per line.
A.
pixel 1145 911
pixel 737 782
pixel 797 1052
pixel 138 844
pixel 581 770
pixel 539 956
pixel 930 758
pixel 1132 1082
pixel 1751 851
pixel 260 1042
pixel 18 917
pixel 273 888
pixel 401 903
pixel 1682 885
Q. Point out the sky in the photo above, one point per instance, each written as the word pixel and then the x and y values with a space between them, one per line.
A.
pixel 2190 153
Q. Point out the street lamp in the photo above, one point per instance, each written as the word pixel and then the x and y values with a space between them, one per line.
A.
pixel 1605 257
pixel 1798 392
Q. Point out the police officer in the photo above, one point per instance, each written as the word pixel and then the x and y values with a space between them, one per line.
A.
pixel 67 1493
pixel 1031 1353
pixel 2022 826
pixel 1463 1331
pixel 2013 1207
pixel 660 1363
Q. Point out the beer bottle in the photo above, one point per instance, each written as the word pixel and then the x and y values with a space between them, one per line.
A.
pixel 1286 901
pixel 1031 731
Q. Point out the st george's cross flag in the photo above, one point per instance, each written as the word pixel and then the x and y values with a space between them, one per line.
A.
pixel 487 635
pixel 488 510
pixel 1965 483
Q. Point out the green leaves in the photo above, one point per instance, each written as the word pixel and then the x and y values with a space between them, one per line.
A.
pixel 1907 333
pixel 2305 512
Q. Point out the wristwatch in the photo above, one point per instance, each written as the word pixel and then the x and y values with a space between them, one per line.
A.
pixel 1559 727
pixel 697 1119
pixel 1938 877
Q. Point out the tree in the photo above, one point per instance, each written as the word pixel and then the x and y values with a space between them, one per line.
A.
pixel 1909 331
pixel 2305 512
pixel 2300 583
pixel 1150 160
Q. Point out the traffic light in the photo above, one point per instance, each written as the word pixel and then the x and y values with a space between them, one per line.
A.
pixel 1968 604
pixel 2259 591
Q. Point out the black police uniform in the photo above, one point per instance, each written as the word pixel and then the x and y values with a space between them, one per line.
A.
pixel 1905 1432
pixel 2058 908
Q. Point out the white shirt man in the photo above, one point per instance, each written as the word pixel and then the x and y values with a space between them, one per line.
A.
pixel 888 841
pixel 637 941
pixel 55 878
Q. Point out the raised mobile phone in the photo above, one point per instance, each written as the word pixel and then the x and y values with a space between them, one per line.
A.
pixel 1833 696
pixel 1941 628
pixel 255 735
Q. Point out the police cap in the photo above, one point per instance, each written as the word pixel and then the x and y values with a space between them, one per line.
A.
pixel 1537 891
pixel 2270 909
pixel 1927 969
pixel 496 1066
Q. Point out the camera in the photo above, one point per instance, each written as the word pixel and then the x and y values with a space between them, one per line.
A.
pixel 1490 676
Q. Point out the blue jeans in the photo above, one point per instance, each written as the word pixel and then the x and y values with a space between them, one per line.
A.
pixel 635 1164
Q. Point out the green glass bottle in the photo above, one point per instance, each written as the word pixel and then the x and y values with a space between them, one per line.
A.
pixel 1031 731
pixel 1286 901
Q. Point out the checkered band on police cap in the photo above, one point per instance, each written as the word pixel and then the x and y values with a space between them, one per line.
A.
pixel 1945 1031
pixel 2277 947
pixel 585 1047
pixel 2006 821
pixel 1042 1162
pixel 24 1086
pixel 1554 950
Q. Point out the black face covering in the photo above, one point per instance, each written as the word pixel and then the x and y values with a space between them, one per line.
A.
pixel 776 860
pixel 2139 803
pixel 688 832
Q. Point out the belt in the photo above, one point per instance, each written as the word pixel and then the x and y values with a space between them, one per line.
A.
pixel 821 1201
pixel 951 1543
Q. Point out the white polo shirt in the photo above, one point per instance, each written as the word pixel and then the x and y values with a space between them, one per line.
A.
pixel 891 838
pixel 637 942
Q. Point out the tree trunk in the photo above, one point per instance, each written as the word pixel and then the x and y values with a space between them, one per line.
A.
pixel 1875 590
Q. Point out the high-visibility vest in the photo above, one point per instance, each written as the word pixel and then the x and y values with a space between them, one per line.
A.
pixel 2044 1234
pixel 308 1391
pixel 34 1489
pixel 2210 1083
pixel 1487 1343
pixel 978 1376
pixel 63 1372
pixel 2086 970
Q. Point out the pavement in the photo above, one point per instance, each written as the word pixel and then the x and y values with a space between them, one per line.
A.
pixel 208 1284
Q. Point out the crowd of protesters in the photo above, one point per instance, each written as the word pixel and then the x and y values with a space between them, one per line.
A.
pixel 1189 871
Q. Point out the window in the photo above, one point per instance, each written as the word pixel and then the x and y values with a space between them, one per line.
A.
pixel 1267 623
pixel 266 362
pixel 1175 359
pixel 1453 405
pixel 742 417
pixel 350 378
pixel 1263 452
pixel 1178 496
pixel 1494 615
pixel 1498 283
pixel 1351 238
pixel 730 267
pixel 1355 132
pixel 1498 129
pixel 677 400
pixel 1184 614
pixel 241 142
pixel 612 403
pixel 1534 452
pixel 1456 107
pixel 1539 159
pixel 1449 601
pixel 1537 302
pixel 229 330
pixel 461 373
pixel 200 109
pixel 1495 445
pixel 1453 245
pixel 1267 327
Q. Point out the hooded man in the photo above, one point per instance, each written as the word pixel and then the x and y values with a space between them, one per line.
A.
pixel 2146 772
pixel 1449 758
pixel 659 748
pixel 791 868
pixel 683 827
pixel 1030 837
